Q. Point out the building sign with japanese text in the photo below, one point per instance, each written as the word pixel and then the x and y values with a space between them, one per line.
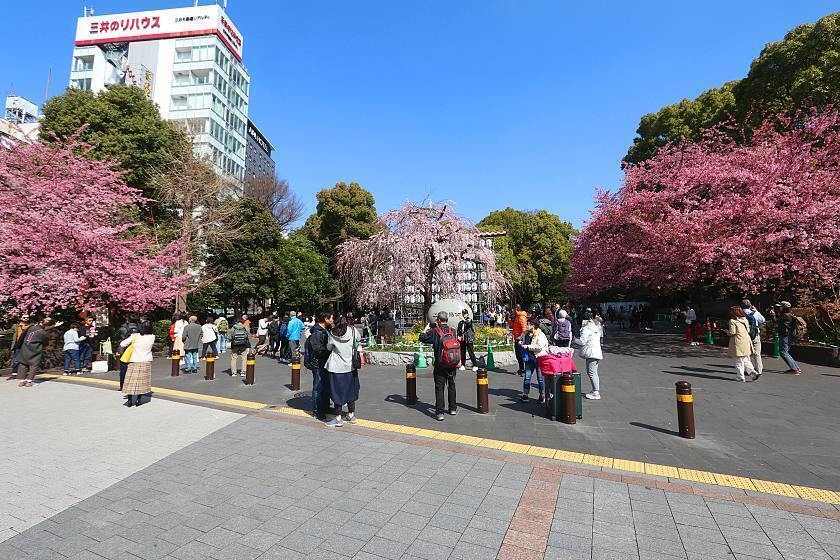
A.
pixel 159 24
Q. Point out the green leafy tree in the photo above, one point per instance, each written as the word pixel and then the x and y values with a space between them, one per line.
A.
pixel 260 263
pixel 684 120
pixel 534 253
pixel 344 211
pixel 799 72
pixel 307 281
pixel 121 124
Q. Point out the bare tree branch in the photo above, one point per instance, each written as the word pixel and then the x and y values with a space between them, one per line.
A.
pixel 276 196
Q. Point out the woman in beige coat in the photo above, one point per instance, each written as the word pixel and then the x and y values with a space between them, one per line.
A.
pixel 740 343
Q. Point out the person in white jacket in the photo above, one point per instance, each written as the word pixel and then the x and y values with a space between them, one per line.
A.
pixel 209 336
pixel 590 340
pixel 535 344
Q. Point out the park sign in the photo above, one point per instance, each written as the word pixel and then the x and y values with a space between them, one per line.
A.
pixel 452 307
pixel 160 24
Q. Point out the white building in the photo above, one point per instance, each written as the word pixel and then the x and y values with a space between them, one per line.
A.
pixel 187 60
pixel 20 121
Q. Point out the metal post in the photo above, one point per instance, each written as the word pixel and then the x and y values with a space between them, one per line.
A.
pixel 481 388
pixel 410 384
pixel 568 410
pixel 295 372
pixel 685 409
pixel 210 366
pixel 176 363
pixel 249 368
pixel 777 353
pixel 709 338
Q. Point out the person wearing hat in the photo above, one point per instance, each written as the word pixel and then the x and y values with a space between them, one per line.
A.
pixel 755 320
pixel 787 325
pixel 444 375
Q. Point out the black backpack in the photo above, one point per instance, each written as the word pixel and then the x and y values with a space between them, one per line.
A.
pixel 753 325
pixel 239 337
pixel 274 327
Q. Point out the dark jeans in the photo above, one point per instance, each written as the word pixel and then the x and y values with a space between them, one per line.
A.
pixel 518 350
pixel 208 346
pixel 468 348
pixel 71 356
pixel 123 370
pixel 320 392
pixel 784 351
pixel 273 343
pixel 85 355
pixel 444 379
pixel 15 362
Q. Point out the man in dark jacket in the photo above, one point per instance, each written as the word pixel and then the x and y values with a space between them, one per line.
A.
pixel 33 349
pixel 787 325
pixel 317 354
pixel 444 376
pixel 88 332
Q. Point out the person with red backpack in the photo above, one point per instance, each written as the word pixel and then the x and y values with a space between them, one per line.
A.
pixel 447 356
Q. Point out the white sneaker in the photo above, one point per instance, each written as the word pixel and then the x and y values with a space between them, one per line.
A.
pixel 462 368
pixel 593 396
pixel 475 368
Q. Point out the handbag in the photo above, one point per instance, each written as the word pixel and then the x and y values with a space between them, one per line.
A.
pixel 126 357
pixel 357 357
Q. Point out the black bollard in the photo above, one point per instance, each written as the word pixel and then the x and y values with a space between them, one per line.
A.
pixel 210 366
pixel 482 386
pixel 685 409
pixel 176 363
pixel 296 372
pixel 410 384
pixel 568 410
pixel 249 368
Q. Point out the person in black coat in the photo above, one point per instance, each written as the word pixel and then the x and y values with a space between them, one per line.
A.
pixel 444 376
pixel 317 354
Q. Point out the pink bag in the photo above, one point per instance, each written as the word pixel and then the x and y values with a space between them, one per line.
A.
pixel 552 364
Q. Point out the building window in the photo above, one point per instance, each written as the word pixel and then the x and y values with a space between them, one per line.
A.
pixel 83 83
pixel 82 63
pixel 183 55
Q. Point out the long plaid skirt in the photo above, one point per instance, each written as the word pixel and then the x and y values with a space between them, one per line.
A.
pixel 138 378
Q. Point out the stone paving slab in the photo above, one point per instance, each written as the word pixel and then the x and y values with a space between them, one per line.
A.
pixel 61 444
pixel 782 428
pixel 265 486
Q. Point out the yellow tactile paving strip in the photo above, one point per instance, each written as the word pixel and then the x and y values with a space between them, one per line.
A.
pixel 716 479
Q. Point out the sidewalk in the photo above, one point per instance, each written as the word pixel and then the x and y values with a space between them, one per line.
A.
pixel 270 486
pixel 782 428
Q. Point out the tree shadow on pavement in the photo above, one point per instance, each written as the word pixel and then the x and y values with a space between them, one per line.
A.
pixel 701 370
pixel 515 403
pixel 655 428
pixel 420 406
pixel 700 375
pixel 654 344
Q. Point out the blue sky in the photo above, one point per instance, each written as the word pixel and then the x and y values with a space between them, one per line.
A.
pixel 494 103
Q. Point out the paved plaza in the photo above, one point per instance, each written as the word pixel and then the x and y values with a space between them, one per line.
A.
pixel 782 428
pixel 180 481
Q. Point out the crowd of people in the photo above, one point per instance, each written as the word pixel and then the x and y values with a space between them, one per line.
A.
pixel 329 346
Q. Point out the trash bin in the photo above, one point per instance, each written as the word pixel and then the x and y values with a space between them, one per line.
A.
pixel 552 391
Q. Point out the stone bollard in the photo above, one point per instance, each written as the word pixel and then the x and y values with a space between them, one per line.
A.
pixel 176 363
pixel 568 410
pixel 296 372
pixel 481 388
pixel 410 384
pixel 685 409
pixel 210 366
pixel 249 368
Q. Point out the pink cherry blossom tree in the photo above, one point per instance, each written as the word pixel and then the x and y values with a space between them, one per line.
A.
pixel 67 238
pixel 417 247
pixel 758 215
